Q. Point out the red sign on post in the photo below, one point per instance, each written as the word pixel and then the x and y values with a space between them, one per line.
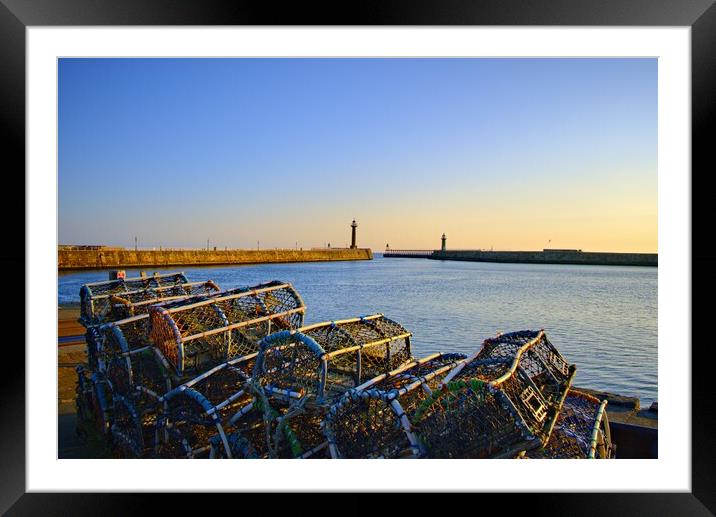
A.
pixel 117 275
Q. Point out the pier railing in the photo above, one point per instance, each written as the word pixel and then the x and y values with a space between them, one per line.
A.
pixel 408 253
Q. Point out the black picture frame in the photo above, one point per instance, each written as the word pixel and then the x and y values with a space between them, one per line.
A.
pixel 700 15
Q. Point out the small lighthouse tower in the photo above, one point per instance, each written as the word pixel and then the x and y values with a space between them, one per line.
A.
pixel 353 233
pixel 444 239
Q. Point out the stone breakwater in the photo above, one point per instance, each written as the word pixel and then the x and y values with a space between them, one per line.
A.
pixel 553 257
pixel 536 257
pixel 124 258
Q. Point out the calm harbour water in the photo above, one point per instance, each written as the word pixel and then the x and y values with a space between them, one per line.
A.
pixel 603 319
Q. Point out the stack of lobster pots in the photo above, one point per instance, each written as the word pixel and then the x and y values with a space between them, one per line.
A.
pixel 180 369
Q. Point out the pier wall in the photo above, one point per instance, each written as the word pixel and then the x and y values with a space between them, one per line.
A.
pixel 124 258
pixel 551 257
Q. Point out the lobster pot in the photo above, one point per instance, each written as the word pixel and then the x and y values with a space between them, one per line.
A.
pixel 470 419
pixel 94 403
pixel 144 368
pixel 193 413
pixel 93 338
pixel 126 305
pixel 307 440
pixel 95 301
pixel 548 371
pixel 120 338
pixel 273 432
pixel 84 403
pixel 275 298
pixel 581 431
pixel 133 428
pixel 198 335
pixel 324 360
pixel 528 370
pixel 530 405
pixel 248 442
pixel 490 405
pixel 266 429
pixel 375 419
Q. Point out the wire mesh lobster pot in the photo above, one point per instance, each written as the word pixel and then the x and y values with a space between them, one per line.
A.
pixel 137 375
pixel 581 430
pixel 133 423
pixel 501 402
pixel 114 342
pixel 299 373
pixel 126 305
pixel 198 416
pixel 133 374
pixel 126 335
pixel 323 360
pixel 374 420
pixel 267 428
pixel 93 403
pixel 217 417
pixel 93 338
pixel 131 335
pixel 123 365
pixel 95 302
pixel 118 342
pixel 535 354
pixel 141 368
pixel 108 345
pixel 196 336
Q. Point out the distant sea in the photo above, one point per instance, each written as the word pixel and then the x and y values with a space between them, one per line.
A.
pixel 602 318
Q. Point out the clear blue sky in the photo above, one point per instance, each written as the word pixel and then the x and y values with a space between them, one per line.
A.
pixel 503 153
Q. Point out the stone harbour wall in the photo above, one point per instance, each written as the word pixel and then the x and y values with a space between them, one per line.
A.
pixel 124 258
pixel 552 257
